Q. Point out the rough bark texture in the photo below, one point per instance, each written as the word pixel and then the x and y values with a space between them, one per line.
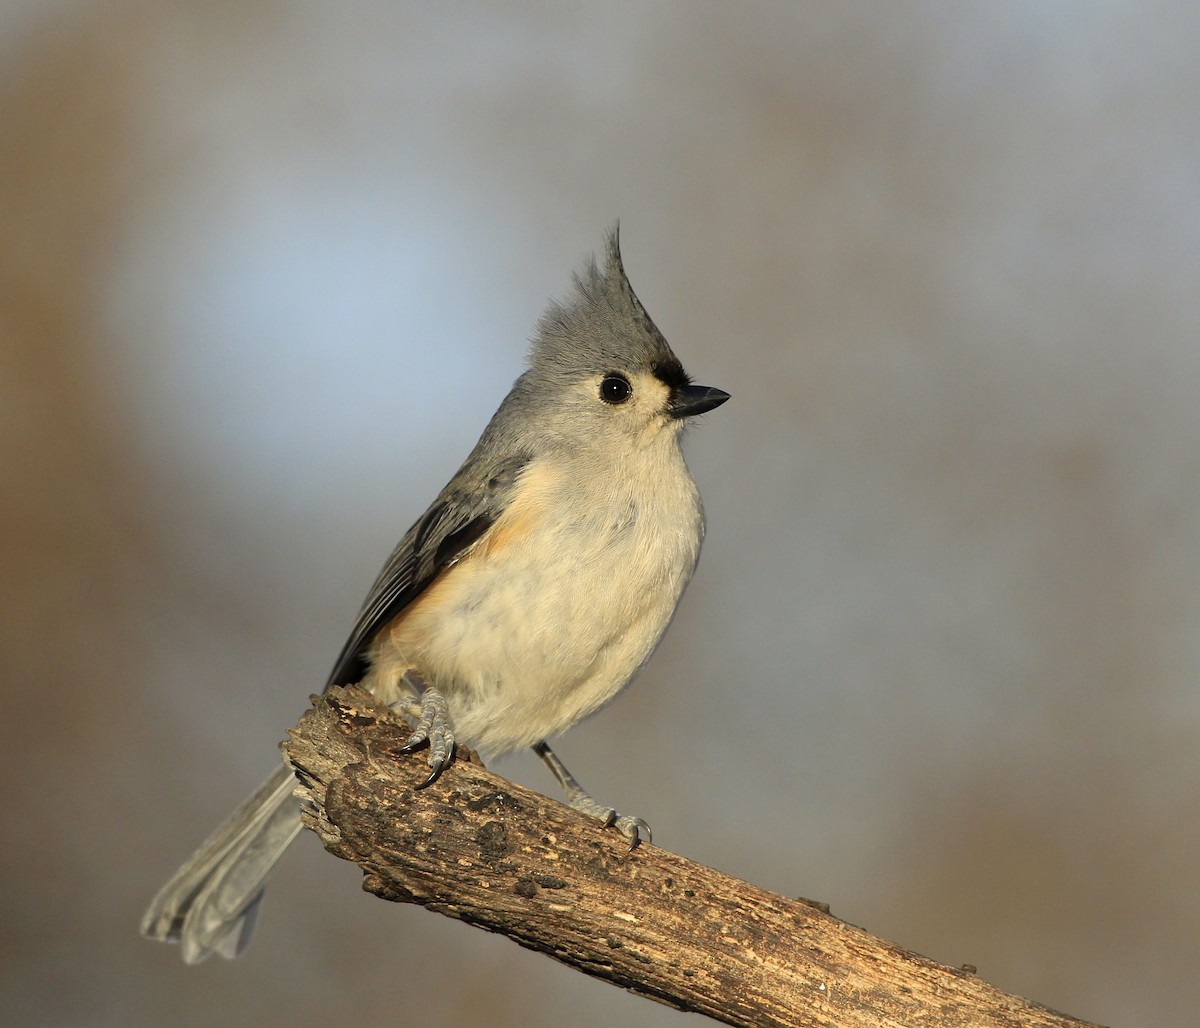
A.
pixel 495 855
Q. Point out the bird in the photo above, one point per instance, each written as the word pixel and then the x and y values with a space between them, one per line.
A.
pixel 528 595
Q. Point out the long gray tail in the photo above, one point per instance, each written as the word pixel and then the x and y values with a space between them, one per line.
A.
pixel 211 903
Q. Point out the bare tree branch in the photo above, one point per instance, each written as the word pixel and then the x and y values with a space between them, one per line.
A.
pixel 490 853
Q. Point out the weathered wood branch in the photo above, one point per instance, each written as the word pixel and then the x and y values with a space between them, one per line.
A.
pixel 490 853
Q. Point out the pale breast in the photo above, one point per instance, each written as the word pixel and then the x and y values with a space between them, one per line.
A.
pixel 555 609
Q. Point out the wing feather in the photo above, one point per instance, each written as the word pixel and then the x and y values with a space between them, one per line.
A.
pixel 456 521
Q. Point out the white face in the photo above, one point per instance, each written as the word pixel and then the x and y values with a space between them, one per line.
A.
pixel 633 404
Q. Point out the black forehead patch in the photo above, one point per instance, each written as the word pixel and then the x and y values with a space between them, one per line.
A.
pixel 670 372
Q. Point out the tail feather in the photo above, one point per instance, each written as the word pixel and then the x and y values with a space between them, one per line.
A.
pixel 211 903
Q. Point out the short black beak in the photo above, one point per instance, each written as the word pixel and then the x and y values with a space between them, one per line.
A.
pixel 689 400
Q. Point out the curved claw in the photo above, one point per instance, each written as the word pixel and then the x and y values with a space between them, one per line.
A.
pixel 434 727
pixel 437 768
pixel 414 743
pixel 634 829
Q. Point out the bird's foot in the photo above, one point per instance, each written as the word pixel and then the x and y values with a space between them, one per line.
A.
pixel 633 828
pixel 431 715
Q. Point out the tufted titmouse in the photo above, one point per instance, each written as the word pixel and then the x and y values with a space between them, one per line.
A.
pixel 527 596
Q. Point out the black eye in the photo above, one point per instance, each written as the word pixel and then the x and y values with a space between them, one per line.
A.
pixel 615 389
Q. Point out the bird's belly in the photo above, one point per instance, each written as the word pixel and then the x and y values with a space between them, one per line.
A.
pixel 526 640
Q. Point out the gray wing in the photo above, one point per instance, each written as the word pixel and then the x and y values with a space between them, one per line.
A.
pixel 458 518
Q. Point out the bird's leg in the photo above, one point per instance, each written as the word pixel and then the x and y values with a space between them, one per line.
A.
pixel 633 828
pixel 432 716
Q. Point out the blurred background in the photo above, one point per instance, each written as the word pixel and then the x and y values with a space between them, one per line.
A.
pixel 267 268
